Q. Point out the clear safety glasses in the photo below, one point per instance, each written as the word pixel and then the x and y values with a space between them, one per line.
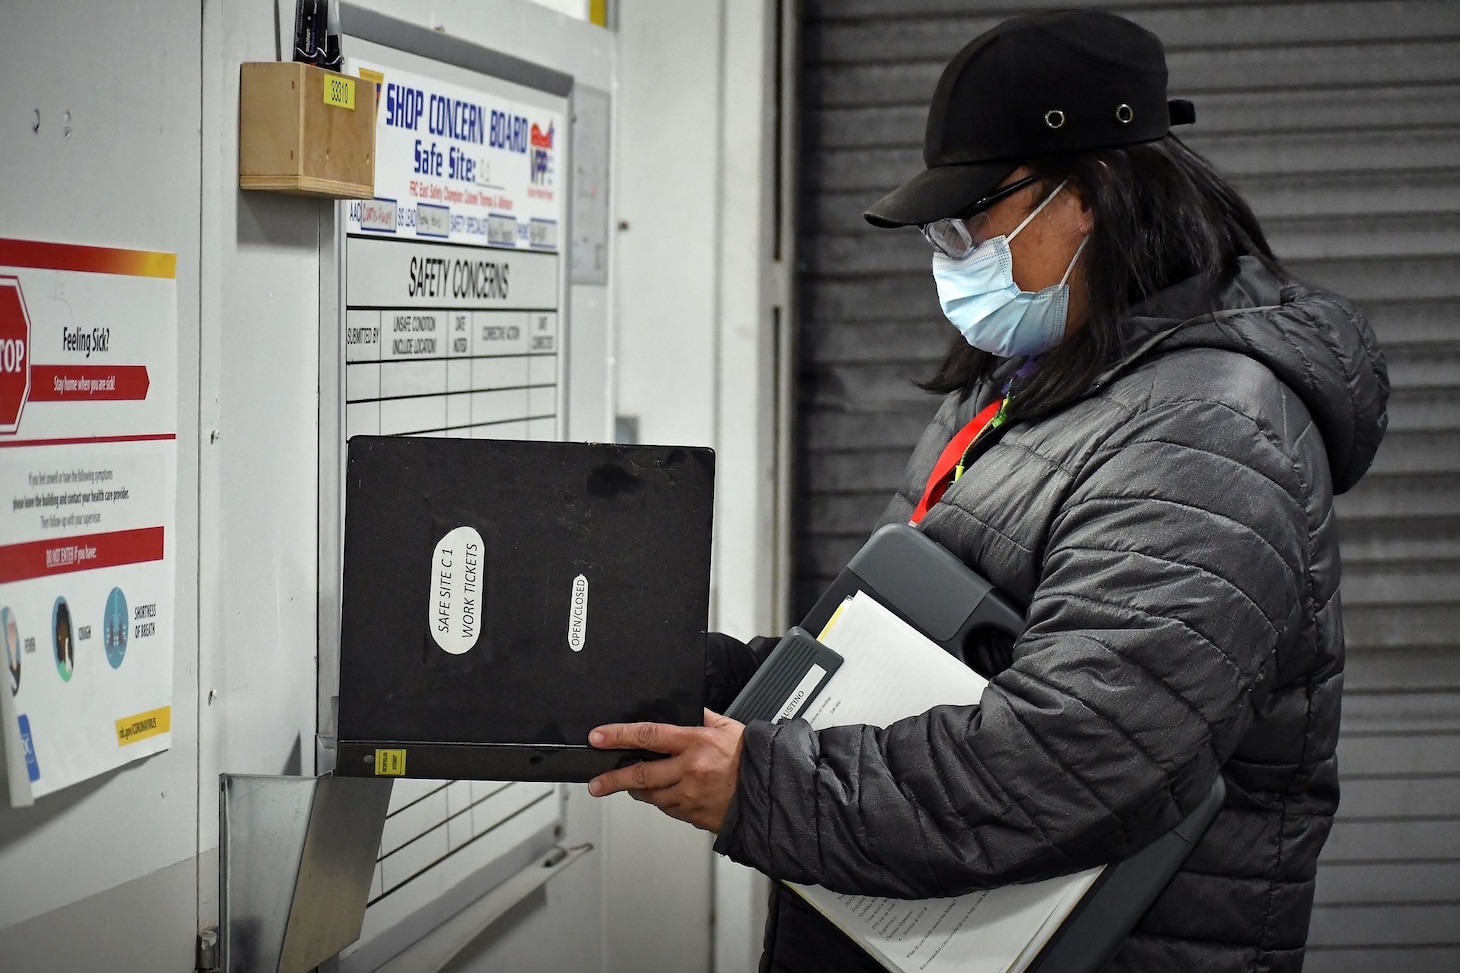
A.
pixel 959 236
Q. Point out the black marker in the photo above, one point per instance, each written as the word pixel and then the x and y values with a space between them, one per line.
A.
pixel 332 60
pixel 310 21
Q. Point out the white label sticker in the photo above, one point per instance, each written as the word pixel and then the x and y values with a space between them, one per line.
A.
pixel 578 614
pixel 456 590
pixel 793 705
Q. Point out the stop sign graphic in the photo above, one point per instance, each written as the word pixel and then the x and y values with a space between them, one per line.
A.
pixel 14 354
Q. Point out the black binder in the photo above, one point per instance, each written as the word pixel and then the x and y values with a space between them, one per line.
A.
pixel 502 598
pixel 931 589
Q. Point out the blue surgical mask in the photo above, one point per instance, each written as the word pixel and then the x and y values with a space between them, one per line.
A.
pixel 979 296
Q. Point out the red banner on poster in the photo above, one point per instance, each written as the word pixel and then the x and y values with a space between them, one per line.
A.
pixel 63 383
pixel 61 555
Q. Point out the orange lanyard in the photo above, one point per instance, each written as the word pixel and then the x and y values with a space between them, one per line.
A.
pixel 950 461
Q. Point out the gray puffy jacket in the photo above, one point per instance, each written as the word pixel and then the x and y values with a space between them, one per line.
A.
pixel 1173 535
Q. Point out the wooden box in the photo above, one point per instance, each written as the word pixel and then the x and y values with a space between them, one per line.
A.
pixel 305 130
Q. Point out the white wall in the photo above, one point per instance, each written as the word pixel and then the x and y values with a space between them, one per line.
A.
pixel 151 163
pixel 131 856
pixel 259 482
pixel 122 170
pixel 696 349
pixel 570 8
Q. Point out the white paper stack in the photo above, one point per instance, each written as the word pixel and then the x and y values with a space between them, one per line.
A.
pixel 891 671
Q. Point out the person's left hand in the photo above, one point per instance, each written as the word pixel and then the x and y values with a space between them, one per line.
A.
pixel 694 783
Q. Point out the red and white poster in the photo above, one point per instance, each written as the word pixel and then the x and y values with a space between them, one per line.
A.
pixel 88 481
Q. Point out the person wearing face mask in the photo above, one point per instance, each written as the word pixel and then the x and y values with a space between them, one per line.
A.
pixel 1144 421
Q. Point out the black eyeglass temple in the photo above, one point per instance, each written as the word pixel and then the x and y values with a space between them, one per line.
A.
pixel 998 194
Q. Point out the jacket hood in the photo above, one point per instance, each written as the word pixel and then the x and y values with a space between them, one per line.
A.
pixel 1314 341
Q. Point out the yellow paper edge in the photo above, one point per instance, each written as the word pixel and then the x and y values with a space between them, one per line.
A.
pixel 834 616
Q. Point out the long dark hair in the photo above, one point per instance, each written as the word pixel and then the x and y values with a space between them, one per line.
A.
pixel 1162 214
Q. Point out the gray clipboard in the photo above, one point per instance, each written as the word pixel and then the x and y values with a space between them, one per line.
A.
pixel 927 586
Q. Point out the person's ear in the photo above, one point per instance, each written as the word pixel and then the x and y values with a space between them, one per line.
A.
pixel 1081 220
pixel 1087 212
pixel 1087 218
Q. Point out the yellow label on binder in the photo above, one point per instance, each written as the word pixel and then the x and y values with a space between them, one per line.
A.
pixel 339 92
pixel 390 763
pixel 130 729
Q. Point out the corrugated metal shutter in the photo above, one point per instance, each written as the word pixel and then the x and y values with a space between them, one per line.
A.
pixel 1340 121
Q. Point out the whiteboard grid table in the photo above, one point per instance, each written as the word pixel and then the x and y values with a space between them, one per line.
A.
pixel 466 372
pixel 449 320
pixel 482 374
pixel 430 820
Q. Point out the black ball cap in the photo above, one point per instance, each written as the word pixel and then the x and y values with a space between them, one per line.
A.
pixel 1065 81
